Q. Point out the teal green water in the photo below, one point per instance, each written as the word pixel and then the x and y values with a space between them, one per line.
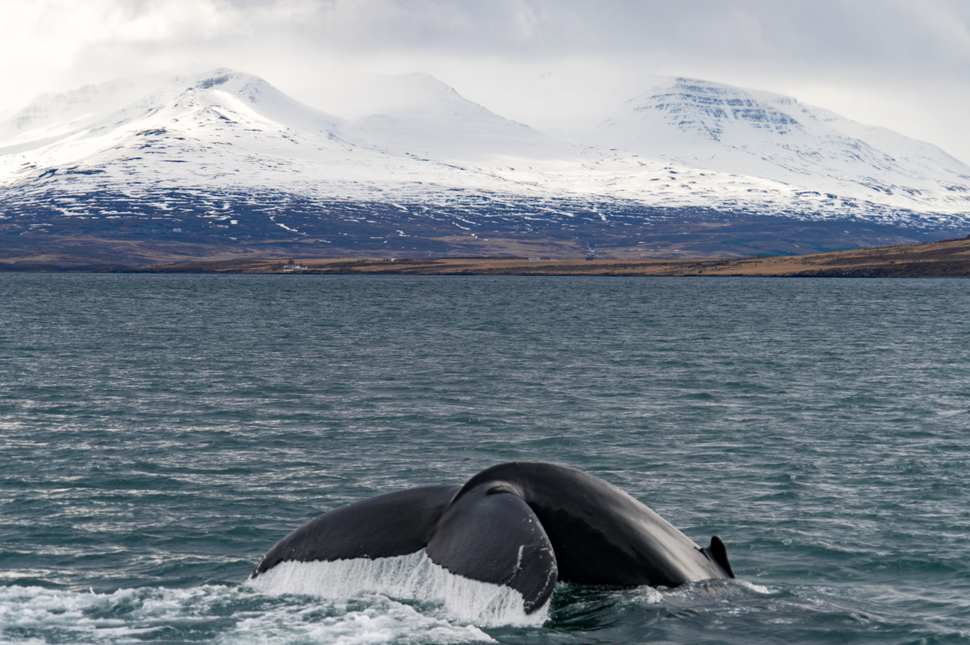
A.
pixel 158 434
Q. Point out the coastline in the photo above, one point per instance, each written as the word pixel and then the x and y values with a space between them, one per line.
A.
pixel 949 258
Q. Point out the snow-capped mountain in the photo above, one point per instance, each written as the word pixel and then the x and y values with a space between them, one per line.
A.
pixel 52 117
pixel 227 156
pixel 726 129
pixel 418 114
pixel 233 130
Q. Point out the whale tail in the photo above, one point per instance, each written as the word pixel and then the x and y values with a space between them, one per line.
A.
pixel 717 553
pixel 523 526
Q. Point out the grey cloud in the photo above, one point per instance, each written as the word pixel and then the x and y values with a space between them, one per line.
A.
pixel 897 32
pixel 863 52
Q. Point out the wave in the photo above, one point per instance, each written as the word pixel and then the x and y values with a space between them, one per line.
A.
pixel 409 577
pixel 223 614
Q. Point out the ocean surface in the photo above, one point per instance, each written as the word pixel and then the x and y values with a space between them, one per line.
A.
pixel 159 433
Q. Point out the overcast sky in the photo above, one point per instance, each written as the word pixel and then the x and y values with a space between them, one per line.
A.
pixel 903 64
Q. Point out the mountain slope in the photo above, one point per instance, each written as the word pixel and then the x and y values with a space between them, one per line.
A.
pixel 232 130
pixel 726 129
pixel 420 115
pixel 224 158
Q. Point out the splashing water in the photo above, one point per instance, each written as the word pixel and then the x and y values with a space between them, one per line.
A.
pixel 231 615
pixel 410 577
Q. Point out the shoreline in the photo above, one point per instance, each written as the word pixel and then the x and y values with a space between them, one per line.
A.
pixel 949 258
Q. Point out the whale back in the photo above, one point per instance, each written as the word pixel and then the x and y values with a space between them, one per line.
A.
pixel 599 533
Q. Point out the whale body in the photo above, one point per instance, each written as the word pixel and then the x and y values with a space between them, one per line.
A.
pixel 521 525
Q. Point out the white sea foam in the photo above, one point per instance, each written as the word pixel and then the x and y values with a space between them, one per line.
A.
pixel 409 577
pixel 759 589
pixel 219 614
pixel 705 589
pixel 381 621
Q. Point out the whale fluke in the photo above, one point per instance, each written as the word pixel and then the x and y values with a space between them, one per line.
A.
pixel 521 525
pixel 384 526
pixel 491 536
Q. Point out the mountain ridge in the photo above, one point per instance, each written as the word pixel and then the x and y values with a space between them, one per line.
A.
pixel 226 157
pixel 722 128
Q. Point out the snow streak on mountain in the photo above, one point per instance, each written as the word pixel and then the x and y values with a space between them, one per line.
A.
pixel 226 158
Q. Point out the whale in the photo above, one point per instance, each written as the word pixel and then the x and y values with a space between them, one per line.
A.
pixel 522 525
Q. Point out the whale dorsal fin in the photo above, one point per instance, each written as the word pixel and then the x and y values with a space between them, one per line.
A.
pixel 717 552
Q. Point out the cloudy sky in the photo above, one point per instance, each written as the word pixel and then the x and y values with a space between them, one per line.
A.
pixel 903 64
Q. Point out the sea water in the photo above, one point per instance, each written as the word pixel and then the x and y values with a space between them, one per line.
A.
pixel 159 433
